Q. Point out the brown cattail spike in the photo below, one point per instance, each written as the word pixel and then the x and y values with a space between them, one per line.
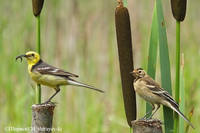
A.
pixel 124 43
pixel 37 6
pixel 179 9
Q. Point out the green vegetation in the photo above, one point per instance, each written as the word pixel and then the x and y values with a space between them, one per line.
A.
pixel 177 83
pixel 164 64
pixel 182 95
pixel 153 44
pixel 79 36
pixel 38 87
pixel 158 35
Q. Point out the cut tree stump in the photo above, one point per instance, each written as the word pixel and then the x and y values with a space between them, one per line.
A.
pixel 147 126
pixel 42 117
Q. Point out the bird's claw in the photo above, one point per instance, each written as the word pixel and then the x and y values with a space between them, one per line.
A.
pixel 48 101
pixel 146 118
pixel 143 118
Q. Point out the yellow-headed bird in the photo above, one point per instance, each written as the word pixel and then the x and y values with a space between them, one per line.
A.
pixel 45 74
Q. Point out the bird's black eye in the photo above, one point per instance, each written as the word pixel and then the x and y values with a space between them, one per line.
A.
pixel 140 71
pixel 32 55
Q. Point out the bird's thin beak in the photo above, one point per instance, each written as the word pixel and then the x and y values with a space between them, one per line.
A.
pixel 133 72
pixel 20 57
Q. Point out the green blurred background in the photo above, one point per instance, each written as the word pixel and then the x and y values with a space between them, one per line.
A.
pixel 79 36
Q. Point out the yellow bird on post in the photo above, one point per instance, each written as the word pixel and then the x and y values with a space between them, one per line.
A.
pixel 45 74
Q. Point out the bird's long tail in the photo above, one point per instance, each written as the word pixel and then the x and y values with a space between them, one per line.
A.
pixel 182 115
pixel 76 83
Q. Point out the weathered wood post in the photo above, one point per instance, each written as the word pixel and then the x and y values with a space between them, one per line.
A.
pixel 147 126
pixel 42 117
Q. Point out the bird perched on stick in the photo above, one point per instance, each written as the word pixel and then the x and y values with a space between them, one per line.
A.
pixel 45 74
pixel 151 91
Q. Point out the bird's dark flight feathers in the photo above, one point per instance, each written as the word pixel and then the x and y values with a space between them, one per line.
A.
pixel 45 68
pixel 156 89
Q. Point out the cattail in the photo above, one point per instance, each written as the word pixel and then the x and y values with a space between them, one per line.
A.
pixel 179 9
pixel 124 41
pixel 37 6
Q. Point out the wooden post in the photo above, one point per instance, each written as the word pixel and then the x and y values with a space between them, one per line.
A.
pixel 42 117
pixel 147 126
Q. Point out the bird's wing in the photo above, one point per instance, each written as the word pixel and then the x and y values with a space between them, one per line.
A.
pixel 45 68
pixel 156 89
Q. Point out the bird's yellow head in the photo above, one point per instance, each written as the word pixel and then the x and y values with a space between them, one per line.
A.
pixel 138 73
pixel 31 56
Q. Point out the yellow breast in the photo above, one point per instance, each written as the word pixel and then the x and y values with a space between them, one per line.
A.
pixel 45 79
pixel 34 75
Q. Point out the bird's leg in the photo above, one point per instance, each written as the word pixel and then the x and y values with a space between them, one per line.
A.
pixel 57 90
pixel 158 106
pixel 153 107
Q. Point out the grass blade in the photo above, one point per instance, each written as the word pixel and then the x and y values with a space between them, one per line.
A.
pixel 164 64
pixel 190 117
pixel 153 44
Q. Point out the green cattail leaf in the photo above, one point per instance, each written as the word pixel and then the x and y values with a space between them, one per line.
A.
pixel 164 65
pixel 152 58
pixel 124 43
pixel 153 44
pixel 37 6
pixel 179 9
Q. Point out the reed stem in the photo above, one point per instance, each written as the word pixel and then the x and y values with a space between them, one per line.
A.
pixel 38 88
pixel 182 94
pixel 176 119
pixel 38 33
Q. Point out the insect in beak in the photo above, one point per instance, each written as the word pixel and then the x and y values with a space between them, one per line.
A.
pixel 20 57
